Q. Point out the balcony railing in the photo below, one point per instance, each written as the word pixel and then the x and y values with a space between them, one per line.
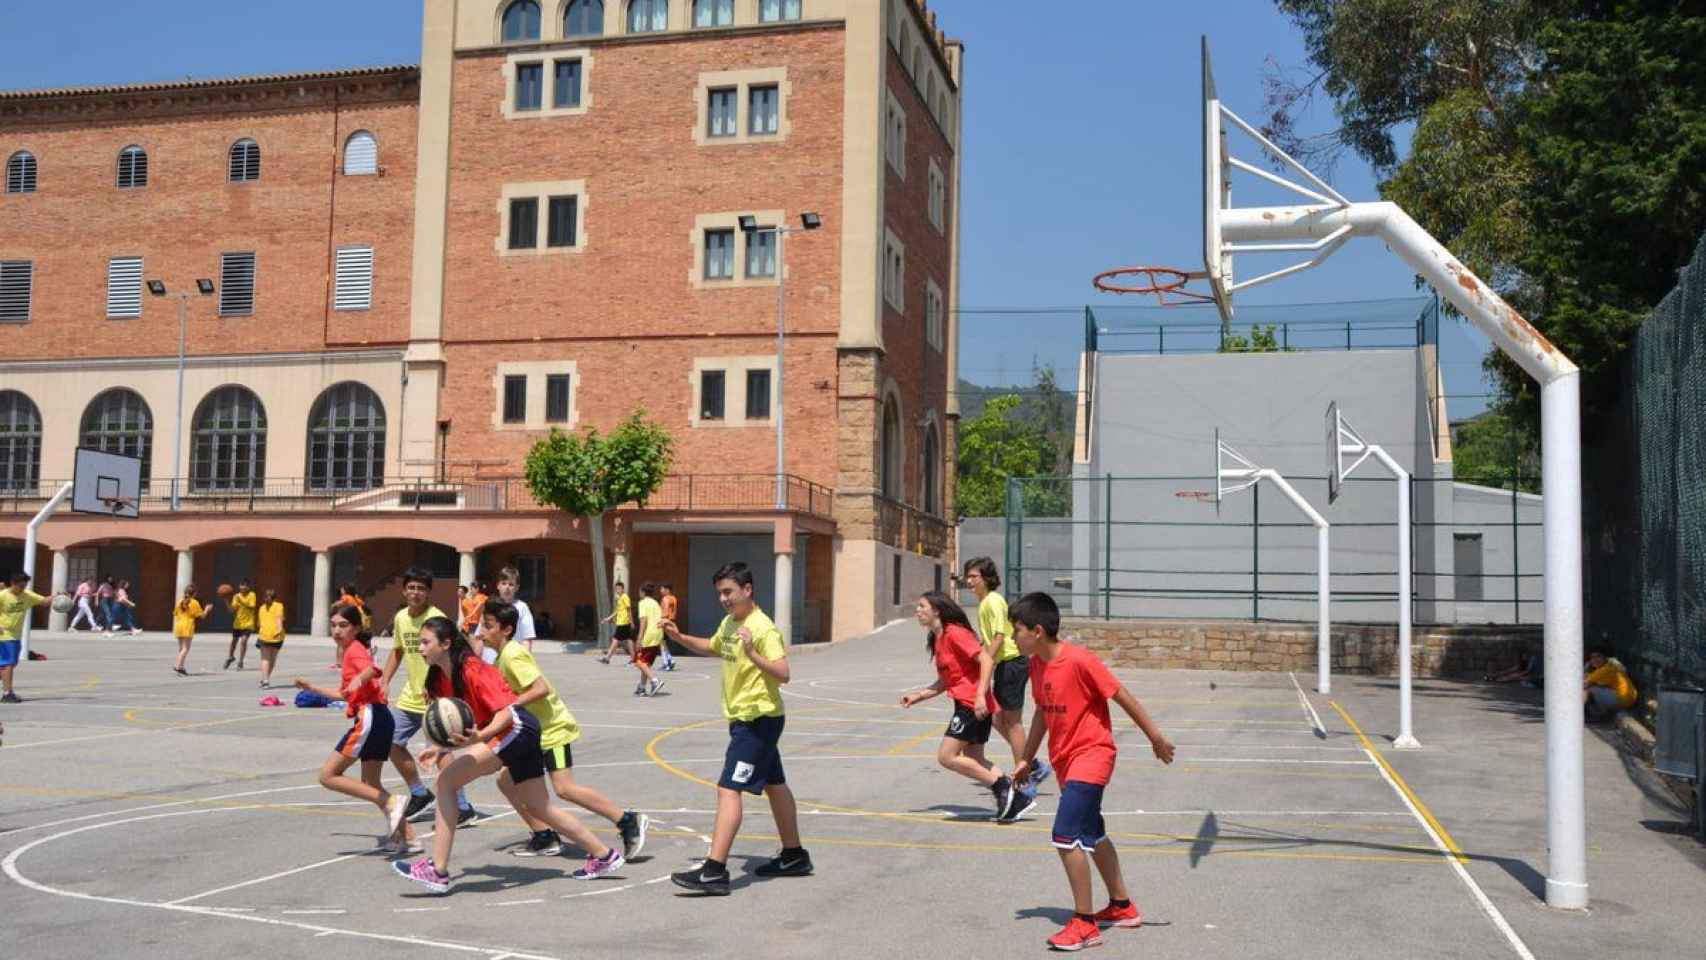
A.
pixel 909 528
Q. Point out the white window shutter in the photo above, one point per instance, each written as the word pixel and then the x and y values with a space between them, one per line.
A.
pixel 355 279
pixel 361 155
pixel 16 278
pixel 124 288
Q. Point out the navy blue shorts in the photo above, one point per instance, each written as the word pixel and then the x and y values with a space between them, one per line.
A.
pixel 370 736
pixel 519 748
pixel 1078 818
pixel 754 758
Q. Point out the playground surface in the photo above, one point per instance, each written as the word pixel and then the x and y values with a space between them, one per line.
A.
pixel 147 815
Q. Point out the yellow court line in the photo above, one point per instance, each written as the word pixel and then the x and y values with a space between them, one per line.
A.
pixel 906 745
pixel 1422 808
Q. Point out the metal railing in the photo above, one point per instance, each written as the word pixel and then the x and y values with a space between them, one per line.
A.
pixel 1199 331
pixel 909 528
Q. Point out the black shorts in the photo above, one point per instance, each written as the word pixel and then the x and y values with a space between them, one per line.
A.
pixel 966 726
pixel 241 635
pixel 369 737
pixel 624 631
pixel 519 748
pixel 1010 679
pixel 558 758
pixel 753 760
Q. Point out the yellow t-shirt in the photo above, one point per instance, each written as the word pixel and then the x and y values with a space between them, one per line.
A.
pixel 1612 676
pixel 272 622
pixel 624 610
pixel 653 615
pixel 184 617
pixel 243 607
pixel 991 621
pixel 748 692
pixel 406 636
pixel 14 607
pixel 557 725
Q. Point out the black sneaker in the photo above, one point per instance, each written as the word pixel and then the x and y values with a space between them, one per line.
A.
pixel 543 844
pixel 798 864
pixel 11 698
pixel 1003 791
pixel 470 818
pixel 696 880
pixel 417 803
pixel 633 829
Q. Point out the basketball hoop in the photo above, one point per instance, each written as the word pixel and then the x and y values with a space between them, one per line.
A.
pixel 1160 282
pixel 117 505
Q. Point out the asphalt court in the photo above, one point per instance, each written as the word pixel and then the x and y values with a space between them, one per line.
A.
pixel 150 814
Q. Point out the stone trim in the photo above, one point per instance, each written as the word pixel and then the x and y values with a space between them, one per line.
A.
pixel 742 82
pixel 547 59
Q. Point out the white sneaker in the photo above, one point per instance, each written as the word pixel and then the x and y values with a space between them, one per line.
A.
pixel 394 807
pixel 656 686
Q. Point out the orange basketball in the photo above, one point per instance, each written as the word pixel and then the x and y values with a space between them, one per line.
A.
pixel 225 590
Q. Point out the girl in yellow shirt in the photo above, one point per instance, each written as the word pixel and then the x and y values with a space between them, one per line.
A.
pixel 184 617
pixel 270 615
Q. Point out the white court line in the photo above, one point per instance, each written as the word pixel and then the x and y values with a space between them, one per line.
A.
pixel 313 911
pixel 249 883
pixel 157 806
pixel 1349 763
pixel 517 903
pixel 421 910
pixel 1314 717
pixel 120 732
pixel 1105 813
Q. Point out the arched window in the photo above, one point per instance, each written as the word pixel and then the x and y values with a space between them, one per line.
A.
pixel 361 155
pixel 20 442
pixel 21 172
pixel 713 13
pixel 245 161
pixel 583 18
pixel 929 88
pixel 917 60
pixel 132 167
pixel 891 450
pixel 521 21
pixel 346 439
pixel 932 470
pixel 118 421
pixel 229 449
pixel 647 16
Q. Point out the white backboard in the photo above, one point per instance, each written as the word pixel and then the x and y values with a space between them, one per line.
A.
pixel 1335 461
pixel 1217 192
pixel 108 484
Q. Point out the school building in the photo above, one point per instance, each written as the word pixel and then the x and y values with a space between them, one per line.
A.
pixel 570 210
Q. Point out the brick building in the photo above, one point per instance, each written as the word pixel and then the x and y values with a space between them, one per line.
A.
pixel 568 212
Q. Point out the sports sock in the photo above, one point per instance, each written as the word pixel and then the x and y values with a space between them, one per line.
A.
pixel 792 852
pixel 713 868
pixel 462 801
pixel 417 790
pixel 1121 904
pixel 1087 918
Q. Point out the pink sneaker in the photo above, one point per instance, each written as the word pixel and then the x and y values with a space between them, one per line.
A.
pixel 599 866
pixel 1076 935
pixel 1112 916
pixel 424 873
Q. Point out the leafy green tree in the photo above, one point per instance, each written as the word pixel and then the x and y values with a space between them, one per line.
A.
pixel 1260 340
pixel 1494 450
pixel 996 445
pixel 588 475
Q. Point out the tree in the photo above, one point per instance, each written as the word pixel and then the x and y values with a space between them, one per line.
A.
pixel 1260 340
pixel 1494 451
pixel 588 475
pixel 997 445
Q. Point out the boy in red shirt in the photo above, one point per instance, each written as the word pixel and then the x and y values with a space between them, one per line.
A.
pixel 1071 689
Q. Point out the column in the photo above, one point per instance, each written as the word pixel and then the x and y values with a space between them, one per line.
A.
pixel 56 621
pixel 619 568
pixel 783 615
pixel 320 621
pixel 465 568
pixel 186 574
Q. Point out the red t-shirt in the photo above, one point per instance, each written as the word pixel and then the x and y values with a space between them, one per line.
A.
pixel 956 664
pixel 1072 691
pixel 486 691
pixel 356 659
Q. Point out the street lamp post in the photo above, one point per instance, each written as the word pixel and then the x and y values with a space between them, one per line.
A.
pixel 749 226
pixel 158 289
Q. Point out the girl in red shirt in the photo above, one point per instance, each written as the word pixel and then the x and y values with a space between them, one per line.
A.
pixel 369 739
pixel 504 740
pixel 963 665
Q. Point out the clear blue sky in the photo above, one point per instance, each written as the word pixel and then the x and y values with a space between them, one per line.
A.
pixel 1081 137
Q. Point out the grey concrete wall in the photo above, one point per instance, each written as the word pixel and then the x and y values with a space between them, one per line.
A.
pixel 1505 550
pixel 1047 558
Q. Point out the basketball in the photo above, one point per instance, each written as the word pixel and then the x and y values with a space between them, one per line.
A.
pixel 225 590
pixel 62 604
pixel 448 717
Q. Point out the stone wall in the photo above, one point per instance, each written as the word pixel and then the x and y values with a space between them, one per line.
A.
pixel 1440 650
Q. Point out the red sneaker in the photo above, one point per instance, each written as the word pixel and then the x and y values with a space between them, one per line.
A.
pixel 1076 935
pixel 1112 916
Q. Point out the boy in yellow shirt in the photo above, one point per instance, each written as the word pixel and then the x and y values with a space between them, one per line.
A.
pixel 1008 679
pixel 1607 688
pixel 755 664
pixel 623 618
pixel 243 606
pixel 15 603
pixel 651 640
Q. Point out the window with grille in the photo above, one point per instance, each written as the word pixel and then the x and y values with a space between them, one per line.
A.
pixel 524 223
pixel 583 18
pixel 515 398
pixel 229 447
pixel 354 286
pixel 713 13
pixel 532 571
pixel 758 394
pixel 236 284
pixel 132 168
pixel 124 288
pixel 566 83
pixel 719 254
pixel 17 279
pixel 119 421
pixel 763 109
pixel 711 394
pixel 648 16
pixel 761 253
pixel 932 479
pixel 245 162
pixel 560 221
pixel 720 113
pixel 557 398
pixel 346 439
pixel 896 146
pixel 521 21
pixel 770 11
pixel 361 155
pixel 891 451
pixel 20 442
pixel 21 172
pixel 529 85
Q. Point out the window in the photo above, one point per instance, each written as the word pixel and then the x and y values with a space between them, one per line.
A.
pixel 583 18
pixel 529 85
pixel 20 442
pixel 932 478
pixel 648 16
pixel 229 447
pixel 236 284
pixel 124 288
pixel 713 13
pixel 557 398
pixel 720 113
pixel 758 394
pixel 761 253
pixel 521 21
pixel 354 286
pixel 118 421
pixel 515 399
pixel 21 172
pixel 245 162
pixel 891 452
pixel 532 570
pixel 938 196
pixel 770 11
pixel 346 439
pixel 711 394
pixel 894 145
pixel 361 155
pixel 761 110
pixel 524 223
pixel 132 168
pixel 565 84
pixel 560 226
pixel 894 273
pixel 719 254
pixel 17 277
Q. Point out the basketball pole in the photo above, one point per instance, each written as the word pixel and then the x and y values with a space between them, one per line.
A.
pixel 1323 588
pixel 30 558
pixel 1406 737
